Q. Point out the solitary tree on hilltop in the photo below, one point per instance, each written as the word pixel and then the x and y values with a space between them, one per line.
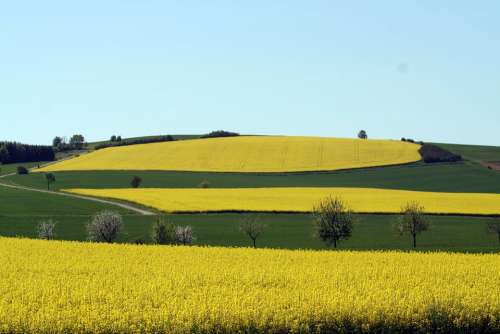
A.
pixel 333 221
pixel 413 221
pixel 362 134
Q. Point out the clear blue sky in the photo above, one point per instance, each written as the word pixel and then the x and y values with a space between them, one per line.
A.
pixel 423 69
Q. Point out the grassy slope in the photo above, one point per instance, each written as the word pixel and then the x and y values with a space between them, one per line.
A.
pixel 177 137
pixel 461 177
pixel 474 152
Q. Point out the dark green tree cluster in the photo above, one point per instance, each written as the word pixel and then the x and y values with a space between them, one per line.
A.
pixel 220 133
pixel 76 142
pixel 12 152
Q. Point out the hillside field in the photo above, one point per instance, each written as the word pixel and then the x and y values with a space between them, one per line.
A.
pixel 21 210
pixel 290 199
pixel 246 154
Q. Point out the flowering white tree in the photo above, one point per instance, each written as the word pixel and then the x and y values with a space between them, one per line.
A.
pixel 184 235
pixel 105 226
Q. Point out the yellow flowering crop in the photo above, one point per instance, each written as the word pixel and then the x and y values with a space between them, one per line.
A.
pixel 246 154
pixel 362 200
pixel 56 287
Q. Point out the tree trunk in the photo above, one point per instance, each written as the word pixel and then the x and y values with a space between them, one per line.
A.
pixel 334 243
pixel 414 240
pixel 254 245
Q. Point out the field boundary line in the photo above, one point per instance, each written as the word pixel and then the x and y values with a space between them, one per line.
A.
pixel 88 198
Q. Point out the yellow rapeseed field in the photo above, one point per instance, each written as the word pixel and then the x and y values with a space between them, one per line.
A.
pixel 362 200
pixel 65 287
pixel 246 154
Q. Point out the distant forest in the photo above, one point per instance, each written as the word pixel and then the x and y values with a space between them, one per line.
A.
pixel 11 152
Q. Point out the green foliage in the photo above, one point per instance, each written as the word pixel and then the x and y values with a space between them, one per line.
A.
pixel 163 232
pixel 431 153
pixel 136 181
pixel 16 152
pixel 204 184
pixel 21 170
pixel 333 221
pixel 77 142
pixel 220 133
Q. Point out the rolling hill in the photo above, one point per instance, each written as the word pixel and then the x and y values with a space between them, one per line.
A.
pixel 246 154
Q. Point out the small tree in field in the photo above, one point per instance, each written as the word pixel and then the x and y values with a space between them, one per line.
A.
pixel 252 228
pixel 50 178
pixel 333 221
pixel 184 235
pixel 413 221
pixel 21 170
pixel 45 229
pixel 362 134
pixel 163 232
pixel 135 182
pixel 105 226
pixel 205 184
pixel 494 228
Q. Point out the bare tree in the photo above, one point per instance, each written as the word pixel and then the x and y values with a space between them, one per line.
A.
pixel 50 178
pixel 163 232
pixel 252 228
pixel 494 228
pixel 413 221
pixel 105 226
pixel 184 235
pixel 45 229
pixel 333 220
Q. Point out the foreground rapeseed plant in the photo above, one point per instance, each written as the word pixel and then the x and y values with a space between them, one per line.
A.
pixel 247 154
pixel 362 200
pixel 51 286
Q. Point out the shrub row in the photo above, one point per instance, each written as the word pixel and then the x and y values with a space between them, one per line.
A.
pixel 220 133
pixel 432 153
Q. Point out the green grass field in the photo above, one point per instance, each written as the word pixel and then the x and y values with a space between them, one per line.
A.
pixel 12 168
pixel 459 177
pixel 474 152
pixel 21 210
